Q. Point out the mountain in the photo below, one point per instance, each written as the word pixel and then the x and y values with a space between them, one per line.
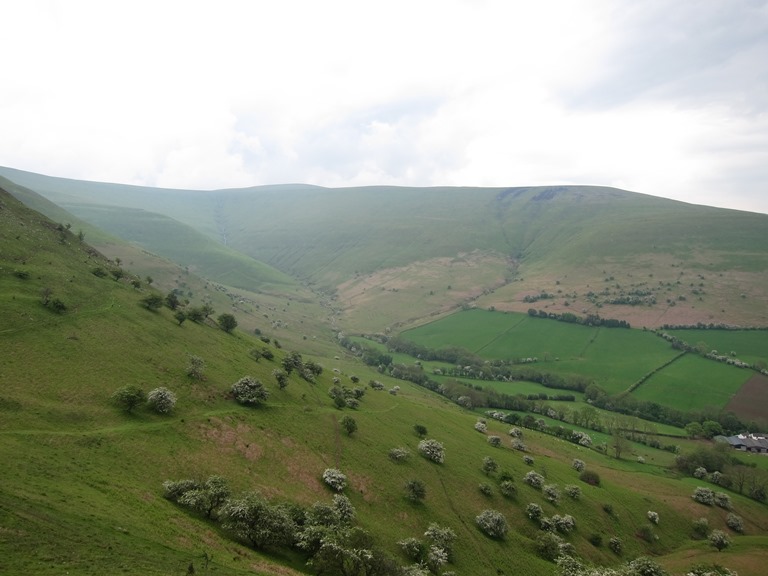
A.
pixel 427 251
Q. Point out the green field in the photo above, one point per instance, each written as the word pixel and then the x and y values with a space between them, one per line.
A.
pixel 694 383
pixel 750 346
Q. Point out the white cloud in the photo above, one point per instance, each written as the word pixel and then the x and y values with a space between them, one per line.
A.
pixel 666 100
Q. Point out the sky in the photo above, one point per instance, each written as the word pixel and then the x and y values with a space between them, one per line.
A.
pixel 662 97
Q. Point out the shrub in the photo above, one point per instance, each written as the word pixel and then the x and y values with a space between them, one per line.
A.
pixel 432 450
pixel 615 545
pixel 645 567
pixel 723 500
pixel 400 454
pixel 590 477
pixel 573 491
pixel 640 460
pixel 518 444
pixel 508 489
pixel 534 479
pixel 335 479
pixel 489 465
pixel 645 532
pixel 420 430
pixel 481 426
pixel 516 432
pixel 700 473
pixel 161 400
pixel 608 508
pixel 551 546
pixel 492 523
pixel 196 368
pixel 551 493
pixel 653 517
pixel 441 536
pixel 413 548
pixel 534 511
pixel 494 441
pixel 415 490
pixel 129 397
pixel 719 540
pixel 249 391
pixel 564 524
pixel 528 460
pixel 704 495
pixel 701 528
pixel 735 523
pixel 578 465
pixel 485 489
pixel 596 540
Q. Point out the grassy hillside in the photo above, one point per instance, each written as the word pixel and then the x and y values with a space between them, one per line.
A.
pixel 82 482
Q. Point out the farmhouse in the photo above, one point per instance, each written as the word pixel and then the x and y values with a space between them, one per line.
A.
pixel 749 443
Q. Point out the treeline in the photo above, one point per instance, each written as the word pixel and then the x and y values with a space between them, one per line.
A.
pixel 571 318
pixel 710 326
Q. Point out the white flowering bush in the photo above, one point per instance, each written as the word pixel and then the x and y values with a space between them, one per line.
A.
pixel 719 540
pixel 518 444
pixel 573 491
pixel 516 432
pixel 551 493
pixel 653 517
pixel 508 489
pixel 723 500
pixel 413 548
pixel 432 450
pixel 249 391
pixel 578 465
pixel 494 441
pixel 700 473
pixel 735 522
pixel 615 545
pixel 492 523
pixel 534 479
pixel 399 454
pixel 704 495
pixel 640 460
pixel 481 426
pixel 564 524
pixel 528 460
pixel 335 479
pixel 161 400
pixel 534 511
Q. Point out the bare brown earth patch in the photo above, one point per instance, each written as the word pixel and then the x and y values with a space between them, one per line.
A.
pixel 232 439
pixel 273 569
pixel 751 401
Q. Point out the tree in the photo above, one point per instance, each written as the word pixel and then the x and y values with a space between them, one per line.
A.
pixel 694 430
pixel 280 375
pixel 420 430
pixel 415 490
pixel 349 424
pixel 172 300
pixel 161 400
pixel 227 322
pixel 152 302
pixel 129 397
pixel 249 391
pixel 180 316
pixel 618 443
pixel 207 498
pixel 719 540
pixel 195 314
pixel 711 428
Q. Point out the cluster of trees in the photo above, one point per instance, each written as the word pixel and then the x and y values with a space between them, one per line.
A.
pixel 182 311
pixel 718 465
pixel 326 534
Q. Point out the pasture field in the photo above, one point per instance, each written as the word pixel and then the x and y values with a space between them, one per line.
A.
pixel 693 383
pixel 752 400
pixel 614 357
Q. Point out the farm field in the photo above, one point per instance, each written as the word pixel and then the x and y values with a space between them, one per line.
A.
pixel 694 383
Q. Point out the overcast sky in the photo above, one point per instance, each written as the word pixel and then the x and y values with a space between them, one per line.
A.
pixel 664 97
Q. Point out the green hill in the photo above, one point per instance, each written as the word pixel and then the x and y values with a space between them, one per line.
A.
pixel 82 488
